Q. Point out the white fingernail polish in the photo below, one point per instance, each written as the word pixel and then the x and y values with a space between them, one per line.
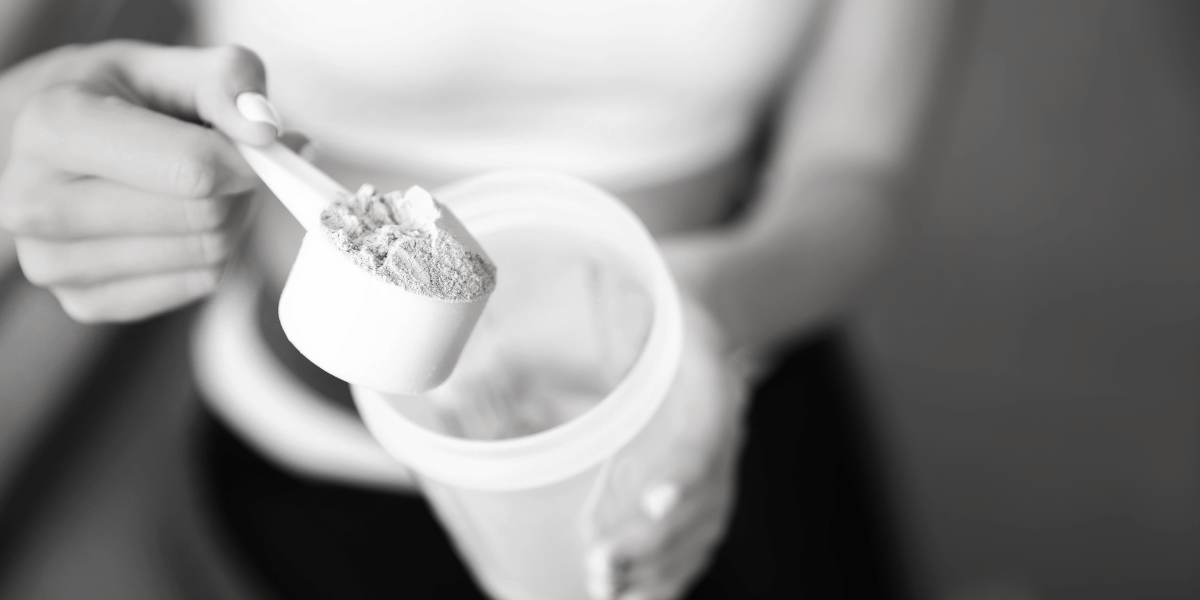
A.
pixel 599 560
pixel 605 573
pixel 601 588
pixel 255 107
pixel 660 500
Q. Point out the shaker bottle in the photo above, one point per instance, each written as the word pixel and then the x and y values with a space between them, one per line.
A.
pixel 517 507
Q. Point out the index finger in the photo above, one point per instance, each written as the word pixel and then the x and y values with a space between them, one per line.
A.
pixel 199 84
pixel 84 129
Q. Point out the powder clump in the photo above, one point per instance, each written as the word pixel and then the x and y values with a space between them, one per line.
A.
pixel 395 237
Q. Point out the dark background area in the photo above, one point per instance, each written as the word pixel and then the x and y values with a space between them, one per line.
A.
pixel 1037 356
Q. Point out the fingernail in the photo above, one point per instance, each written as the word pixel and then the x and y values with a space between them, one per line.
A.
pixel 598 564
pixel 601 589
pixel 660 500
pixel 255 107
pixel 606 573
pixel 599 560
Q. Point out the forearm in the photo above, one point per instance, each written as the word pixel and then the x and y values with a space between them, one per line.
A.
pixel 822 222
pixel 765 280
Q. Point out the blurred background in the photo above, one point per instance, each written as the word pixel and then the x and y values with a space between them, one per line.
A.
pixel 1037 358
pixel 1033 357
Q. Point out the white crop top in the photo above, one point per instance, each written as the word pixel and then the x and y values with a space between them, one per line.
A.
pixel 626 93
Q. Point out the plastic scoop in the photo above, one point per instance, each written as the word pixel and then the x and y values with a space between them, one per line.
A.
pixel 358 328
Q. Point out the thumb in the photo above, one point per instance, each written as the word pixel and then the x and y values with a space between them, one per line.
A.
pixel 200 84
pixel 299 143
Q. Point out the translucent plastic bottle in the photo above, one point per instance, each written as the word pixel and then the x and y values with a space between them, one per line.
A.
pixel 571 359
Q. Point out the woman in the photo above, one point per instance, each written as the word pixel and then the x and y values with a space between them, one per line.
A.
pixel 124 206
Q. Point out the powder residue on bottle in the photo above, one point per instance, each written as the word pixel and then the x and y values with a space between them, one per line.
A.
pixel 554 341
pixel 395 237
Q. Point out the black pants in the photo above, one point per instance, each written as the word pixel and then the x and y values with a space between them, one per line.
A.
pixel 810 520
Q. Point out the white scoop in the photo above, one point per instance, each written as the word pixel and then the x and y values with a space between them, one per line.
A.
pixel 362 330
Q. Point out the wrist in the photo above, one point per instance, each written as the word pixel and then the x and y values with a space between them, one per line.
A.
pixel 701 264
pixel 747 361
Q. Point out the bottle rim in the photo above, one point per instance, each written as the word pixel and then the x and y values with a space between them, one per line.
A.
pixel 530 200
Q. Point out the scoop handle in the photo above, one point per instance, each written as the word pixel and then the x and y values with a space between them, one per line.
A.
pixel 304 189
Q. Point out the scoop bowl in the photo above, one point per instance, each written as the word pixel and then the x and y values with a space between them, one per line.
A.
pixel 358 328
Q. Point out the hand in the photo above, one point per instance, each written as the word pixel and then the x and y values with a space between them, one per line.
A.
pixel 669 494
pixel 122 201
